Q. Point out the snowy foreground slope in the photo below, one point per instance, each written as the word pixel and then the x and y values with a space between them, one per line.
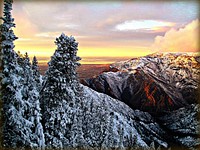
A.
pixel 183 125
pixel 123 127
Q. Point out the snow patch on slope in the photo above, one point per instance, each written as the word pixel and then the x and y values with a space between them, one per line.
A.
pixel 126 123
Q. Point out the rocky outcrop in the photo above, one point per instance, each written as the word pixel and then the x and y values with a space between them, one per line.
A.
pixel 138 90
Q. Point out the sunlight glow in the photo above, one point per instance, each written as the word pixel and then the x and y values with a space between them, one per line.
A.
pixel 102 31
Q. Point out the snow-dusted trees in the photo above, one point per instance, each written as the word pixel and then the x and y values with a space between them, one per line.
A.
pixel 67 53
pixel 21 115
pixel 60 95
pixel 10 81
pixel 30 95
pixel 7 36
pixel 1 102
pixel 35 69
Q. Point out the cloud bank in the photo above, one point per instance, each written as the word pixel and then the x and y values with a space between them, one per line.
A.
pixel 185 39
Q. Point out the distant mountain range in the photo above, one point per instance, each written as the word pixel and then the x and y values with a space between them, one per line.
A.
pixel 154 83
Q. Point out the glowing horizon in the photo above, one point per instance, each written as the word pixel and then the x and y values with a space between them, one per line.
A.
pixel 102 33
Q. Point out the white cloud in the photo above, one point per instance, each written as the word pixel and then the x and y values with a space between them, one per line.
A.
pixel 68 26
pixel 24 39
pixel 182 40
pixel 53 35
pixel 142 25
pixel 48 34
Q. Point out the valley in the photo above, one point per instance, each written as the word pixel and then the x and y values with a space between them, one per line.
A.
pixel 85 71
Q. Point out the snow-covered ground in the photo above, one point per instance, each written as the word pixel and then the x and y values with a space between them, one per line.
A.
pixel 122 124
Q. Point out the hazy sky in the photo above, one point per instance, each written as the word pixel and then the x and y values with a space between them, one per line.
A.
pixel 108 28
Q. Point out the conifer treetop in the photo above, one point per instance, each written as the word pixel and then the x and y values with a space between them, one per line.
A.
pixel 8 20
pixel 35 60
pixel 35 65
pixel 65 60
pixel 7 35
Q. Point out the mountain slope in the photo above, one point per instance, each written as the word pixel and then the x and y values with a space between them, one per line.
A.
pixel 182 125
pixel 119 124
pixel 114 124
pixel 155 83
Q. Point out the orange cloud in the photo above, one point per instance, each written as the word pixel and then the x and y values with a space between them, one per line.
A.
pixel 182 40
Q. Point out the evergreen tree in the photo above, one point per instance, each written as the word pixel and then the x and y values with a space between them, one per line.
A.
pixel 36 73
pixel 20 58
pixel 59 95
pixel 1 102
pixel 18 125
pixel 10 82
pixel 30 94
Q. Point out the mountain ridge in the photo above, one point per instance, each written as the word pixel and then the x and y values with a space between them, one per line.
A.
pixel 156 77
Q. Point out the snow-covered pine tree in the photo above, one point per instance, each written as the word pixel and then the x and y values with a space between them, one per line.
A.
pixel 20 58
pixel 17 128
pixel 1 102
pixel 111 136
pixel 59 95
pixel 36 73
pixel 1 118
pixel 10 81
pixel 30 94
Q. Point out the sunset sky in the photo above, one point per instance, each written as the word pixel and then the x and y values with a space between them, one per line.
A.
pixel 107 30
